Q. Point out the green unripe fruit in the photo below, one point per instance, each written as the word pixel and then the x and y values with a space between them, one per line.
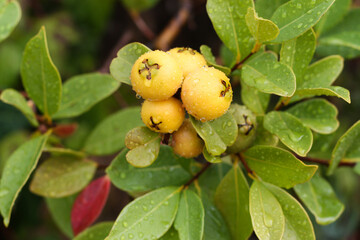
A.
pixel 188 59
pixel 156 76
pixel 246 121
pixel 206 93
pixel 186 142
pixel 163 116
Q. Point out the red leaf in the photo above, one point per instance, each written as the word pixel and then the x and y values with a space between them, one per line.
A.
pixel 65 130
pixel 89 204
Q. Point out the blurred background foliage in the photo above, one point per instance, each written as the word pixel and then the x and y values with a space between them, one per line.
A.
pixel 84 36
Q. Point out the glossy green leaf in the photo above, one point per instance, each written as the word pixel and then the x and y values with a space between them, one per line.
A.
pixel 109 135
pixel 10 14
pixel 263 30
pixel 217 134
pixel 232 200
pixel 319 76
pixel 267 75
pixel 172 234
pixel 17 171
pixel 215 227
pixel 357 168
pixel 210 59
pixel 343 39
pixel 228 57
pixel 139 5
pixel 297 16
pixel 189 221
pixel 40 77
pixel 266 8
pixel 352 153
pixel 144 145
pixel 317 114
pixel 290 130
pixel 59 177
pixel 297 223
pixel 278 166
pixel 350 138
pixel 96 232
pixel 319 197
pixel 263 136
pixel 148 216
pixel 211 158
pixel 82 92
pixel 333 16
pixel 254 99
pixel 166 171
pixel 297 53
pixel 60 210
pixel 267 216
pixel 14 98
pixel 228 19
pixel 120 67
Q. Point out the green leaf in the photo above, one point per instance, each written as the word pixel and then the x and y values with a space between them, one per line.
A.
pixel 172 234
pixel 109 135
pixel 319 197
pixel 297 53
pixel 278 166
pixel 357 168
pixel 297 223
pixel 255 100
pixel 17 171
pixel 333 16
pixel 96 232
pixel 263 30
pixel 120 67
pixel 266 8
pixel 40 77
pixel 10 14
pixel 290 131
pixel 319 76
pixel 59 177
pixel 232 200
pixel 148 216
pixel 82 92
pixel 228 19
pixel 297 16
pixel 342 39
pixel 267 75
pixel 217 134
pixel 14 98
pixel 189 220
pixel 210 59
pixel 227 56
pixel 144 145
pixel 266 214
pixel 350 138
pixel 317 114
pixel 215 227
pixel 166 168
pixel 211 158
pixel 60 210
pixel 263 136
pixel 139 5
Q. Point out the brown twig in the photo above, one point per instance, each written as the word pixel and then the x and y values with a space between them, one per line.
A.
pixel 141 25
pixel 242 159
pixel 239 64
pixel 198 174
pixel 323 161
pixel 173 28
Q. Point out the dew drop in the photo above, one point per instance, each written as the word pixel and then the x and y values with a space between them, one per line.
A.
pixel 125 224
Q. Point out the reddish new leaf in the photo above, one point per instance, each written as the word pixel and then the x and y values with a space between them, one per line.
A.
pixel 65 130
pixel 89 204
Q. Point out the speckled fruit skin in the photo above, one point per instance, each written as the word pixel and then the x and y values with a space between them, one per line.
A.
pixel 156 76
pixel 163 116
pixel 206 93
pixel 188 59
pixel 186 142
pixel 246 121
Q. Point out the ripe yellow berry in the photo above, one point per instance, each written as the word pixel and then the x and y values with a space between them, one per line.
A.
pixel 156 76
pixel 206 93
pixel 186 142
pixel 163 116
pixel 188 58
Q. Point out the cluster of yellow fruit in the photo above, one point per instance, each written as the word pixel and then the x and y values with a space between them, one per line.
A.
pixel 206 94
